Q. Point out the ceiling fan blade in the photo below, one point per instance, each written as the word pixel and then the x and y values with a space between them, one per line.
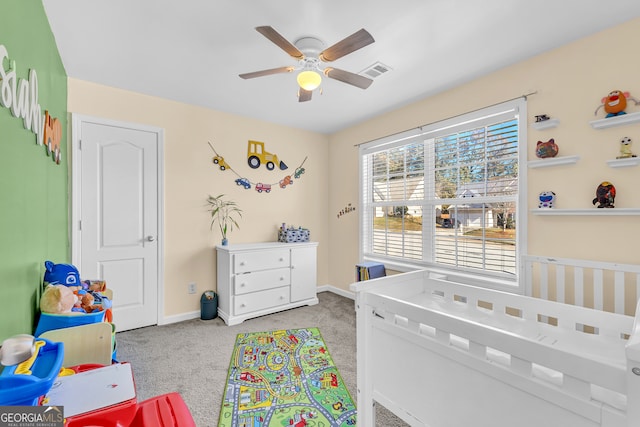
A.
pixel 304 95
pixel 348 77
pixel 355 41
pixel 266 72
pixel 280 41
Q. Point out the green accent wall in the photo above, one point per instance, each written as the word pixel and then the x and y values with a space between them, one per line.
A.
pixel 33 188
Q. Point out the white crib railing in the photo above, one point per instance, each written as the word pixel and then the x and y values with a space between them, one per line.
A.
pixel 603 286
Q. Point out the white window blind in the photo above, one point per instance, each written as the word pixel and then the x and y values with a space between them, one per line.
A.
pixel 447 194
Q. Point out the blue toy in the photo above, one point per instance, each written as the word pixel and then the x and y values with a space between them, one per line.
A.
pixel 62 274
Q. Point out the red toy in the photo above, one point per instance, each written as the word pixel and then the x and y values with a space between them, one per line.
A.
pixel 167 410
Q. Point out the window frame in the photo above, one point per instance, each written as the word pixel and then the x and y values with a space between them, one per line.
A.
pixel 516 108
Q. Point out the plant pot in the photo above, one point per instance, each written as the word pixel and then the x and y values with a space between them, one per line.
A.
pixel 224 241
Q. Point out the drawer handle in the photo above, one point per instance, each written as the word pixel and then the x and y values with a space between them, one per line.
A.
pixel 281 278
pixel 242 285
pixel 242 263
pixel 281 297
pixel 281 259
pixel 243 305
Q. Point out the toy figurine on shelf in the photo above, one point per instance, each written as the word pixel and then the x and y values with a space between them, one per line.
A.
pixel 545 149
pixel 605 195
pixel 625 148
pixel 615 103
pixel 541 118
pixel 546 199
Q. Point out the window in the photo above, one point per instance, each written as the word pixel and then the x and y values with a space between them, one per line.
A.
pixel 448 194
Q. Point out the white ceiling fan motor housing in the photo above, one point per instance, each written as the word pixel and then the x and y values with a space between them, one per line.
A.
pixel 311 48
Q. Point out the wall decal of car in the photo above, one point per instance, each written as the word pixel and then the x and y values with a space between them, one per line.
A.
pixel 298 172
pixel 260 187
pixel 219 160
pixel 244 182
pixel 286 181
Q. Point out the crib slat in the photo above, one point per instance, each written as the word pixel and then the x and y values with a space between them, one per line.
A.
pixel 598 291
pixel 544 281
pixel 578 288
pixel 619 292
pixel 442 337
pixel 521 366
pixel 478 350
pixel 637 292
pixel 528 276
pixel 560 283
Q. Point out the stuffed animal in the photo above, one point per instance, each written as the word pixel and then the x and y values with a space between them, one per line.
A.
pixel 546 149
pixel 625 148
pixel 615 103
pixel 605 195
pixel 546 199
pixel 87 303
pixel 62 274
pixel 57 299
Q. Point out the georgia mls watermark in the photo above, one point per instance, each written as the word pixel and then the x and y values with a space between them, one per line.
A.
pixel 31 416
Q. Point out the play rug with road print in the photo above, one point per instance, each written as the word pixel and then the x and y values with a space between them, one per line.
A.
pixel 284 378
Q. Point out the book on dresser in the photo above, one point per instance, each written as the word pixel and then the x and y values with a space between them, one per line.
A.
pixel 255 279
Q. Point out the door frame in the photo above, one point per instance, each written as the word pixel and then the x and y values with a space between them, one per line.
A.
pixel 77 120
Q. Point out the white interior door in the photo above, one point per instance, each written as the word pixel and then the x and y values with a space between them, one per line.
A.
pixel 116 179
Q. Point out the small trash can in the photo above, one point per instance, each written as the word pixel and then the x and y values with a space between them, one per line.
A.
pixel 208 305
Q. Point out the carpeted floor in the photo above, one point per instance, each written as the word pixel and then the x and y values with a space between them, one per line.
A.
pixel 192 357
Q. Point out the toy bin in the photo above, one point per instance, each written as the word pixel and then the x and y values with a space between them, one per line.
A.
pixel 50 321
pixel 293 235
pixel 208 305
pixel 23 384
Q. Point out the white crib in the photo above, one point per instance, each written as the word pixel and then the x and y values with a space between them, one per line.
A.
pixel 439 353
pixel 604 286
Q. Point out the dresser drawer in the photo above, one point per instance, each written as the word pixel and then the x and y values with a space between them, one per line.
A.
pixel 256 301
pixel 260 260
pixel 261 280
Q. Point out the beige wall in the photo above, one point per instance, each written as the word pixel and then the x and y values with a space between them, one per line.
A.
pixel 569 81
pixel 190 176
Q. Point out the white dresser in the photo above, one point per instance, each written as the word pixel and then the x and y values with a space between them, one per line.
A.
pixel 255 279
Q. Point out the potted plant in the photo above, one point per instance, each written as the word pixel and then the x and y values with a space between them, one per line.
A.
pixel 224 212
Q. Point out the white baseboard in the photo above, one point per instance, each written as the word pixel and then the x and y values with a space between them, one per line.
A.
pixel 337 291
pixel 166 320
pixel 179 317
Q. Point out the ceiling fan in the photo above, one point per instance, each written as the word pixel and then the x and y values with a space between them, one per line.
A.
pixel 311 56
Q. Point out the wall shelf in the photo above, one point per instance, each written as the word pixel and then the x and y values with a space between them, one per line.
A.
pixel 624 163
pixel 586 212
pixel 553 161
pixel 625 119
pixel 545 124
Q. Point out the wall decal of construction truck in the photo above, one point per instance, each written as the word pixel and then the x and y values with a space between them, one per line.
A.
pixel 257 156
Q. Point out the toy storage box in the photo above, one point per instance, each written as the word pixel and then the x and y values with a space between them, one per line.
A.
pixel 50 321
pixel 293 235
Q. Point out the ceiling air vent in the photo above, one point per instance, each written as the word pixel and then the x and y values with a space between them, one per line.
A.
pixel 376 70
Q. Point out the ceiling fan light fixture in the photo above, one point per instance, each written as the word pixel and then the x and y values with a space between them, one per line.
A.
pixel 309 80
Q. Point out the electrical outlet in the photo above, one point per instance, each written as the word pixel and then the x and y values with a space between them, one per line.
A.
pixel 191 288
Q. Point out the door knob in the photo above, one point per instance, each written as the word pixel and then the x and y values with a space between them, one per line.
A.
pixel 150 238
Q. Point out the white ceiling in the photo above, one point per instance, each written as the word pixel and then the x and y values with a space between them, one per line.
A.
pixel 193 50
